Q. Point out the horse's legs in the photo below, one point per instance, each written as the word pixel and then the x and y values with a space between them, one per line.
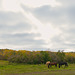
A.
pixel 55 65
pixel 59 65
pixel 48 65
pixel 66 65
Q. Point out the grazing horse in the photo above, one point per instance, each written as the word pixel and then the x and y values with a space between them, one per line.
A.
pixel 52 63
pixel 47 63
pixel 63 63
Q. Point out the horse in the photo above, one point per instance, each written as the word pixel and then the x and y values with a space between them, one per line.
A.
pixel 63 63
pixel 47 63
pixel 52 63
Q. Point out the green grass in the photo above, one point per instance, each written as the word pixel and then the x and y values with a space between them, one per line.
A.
pixel 22 69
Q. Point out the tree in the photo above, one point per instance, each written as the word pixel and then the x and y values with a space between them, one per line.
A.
pixel 61 55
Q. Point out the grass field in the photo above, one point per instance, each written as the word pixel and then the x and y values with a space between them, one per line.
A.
pixel 22 69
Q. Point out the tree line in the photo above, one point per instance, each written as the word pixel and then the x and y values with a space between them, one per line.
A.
pixel 36 57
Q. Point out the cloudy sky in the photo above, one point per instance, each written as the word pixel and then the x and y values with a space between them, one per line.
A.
pixel 37 24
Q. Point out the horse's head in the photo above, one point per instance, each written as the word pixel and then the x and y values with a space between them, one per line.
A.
pixel 47 63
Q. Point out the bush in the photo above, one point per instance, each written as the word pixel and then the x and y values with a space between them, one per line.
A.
pixel 36 57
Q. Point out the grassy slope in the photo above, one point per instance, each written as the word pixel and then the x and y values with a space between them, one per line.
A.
pixel 21 69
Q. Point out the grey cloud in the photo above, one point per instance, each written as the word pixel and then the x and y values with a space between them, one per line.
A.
pixel 20 35
pixel 13 22
pixel 15 28
pixel 67 2
pixel 58 15
pixel 68 34
pixel 59 42
pixel 45 13
pixel 10 18
pixel 65 40
pixel 27 9
pixel 22 39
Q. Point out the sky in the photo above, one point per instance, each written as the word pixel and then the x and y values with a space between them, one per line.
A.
pixel 37 24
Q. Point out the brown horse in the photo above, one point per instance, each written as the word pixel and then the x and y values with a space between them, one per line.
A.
pixel 52 63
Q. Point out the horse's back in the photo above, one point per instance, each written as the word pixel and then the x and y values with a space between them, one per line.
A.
pixel 53 63
pixel 62 63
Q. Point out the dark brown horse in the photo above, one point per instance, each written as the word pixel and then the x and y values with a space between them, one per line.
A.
pixel 52 63
pixel 63 63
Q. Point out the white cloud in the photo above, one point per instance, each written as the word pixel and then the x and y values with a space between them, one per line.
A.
pixel 0 3
pixel 23 39
pixel 47 31
pixel 15 5
pixel 69 50
pixel 38 3
pixel 10 5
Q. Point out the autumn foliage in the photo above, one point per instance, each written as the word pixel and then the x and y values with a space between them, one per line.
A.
pixel 36 57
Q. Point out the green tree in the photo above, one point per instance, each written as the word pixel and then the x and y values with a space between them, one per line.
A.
pixel 61 55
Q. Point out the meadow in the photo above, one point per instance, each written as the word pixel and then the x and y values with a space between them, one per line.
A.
pixel 7 68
